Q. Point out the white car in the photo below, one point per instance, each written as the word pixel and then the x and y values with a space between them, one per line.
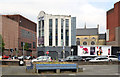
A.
pixel 28 57
pixel 99 59
pixel 112 58
pixel 21 57
pixel 42 58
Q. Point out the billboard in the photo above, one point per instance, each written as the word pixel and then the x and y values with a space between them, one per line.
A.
pixel 94 50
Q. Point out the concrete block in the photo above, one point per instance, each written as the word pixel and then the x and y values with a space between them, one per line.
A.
pixel 57 70
pixel 80 69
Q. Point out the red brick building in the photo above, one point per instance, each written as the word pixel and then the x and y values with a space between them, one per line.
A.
pixel 26 34
pixel 9 33
pixel 113 25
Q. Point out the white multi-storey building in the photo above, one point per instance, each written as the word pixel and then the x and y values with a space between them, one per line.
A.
pixel 54 30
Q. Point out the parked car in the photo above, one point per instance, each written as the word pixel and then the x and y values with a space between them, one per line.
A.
pixel 60 59
pixel 99 59
pixel 72 58
pixel 112 58
pixel 5 57
pixel 87 59
pixel 42 58
pixel 14 57
pixel 28 57
pixel 20 57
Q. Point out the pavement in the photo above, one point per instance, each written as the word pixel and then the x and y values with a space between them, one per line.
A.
pixel 87 70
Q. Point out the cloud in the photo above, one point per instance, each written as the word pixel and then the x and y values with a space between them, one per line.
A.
pixel 82 9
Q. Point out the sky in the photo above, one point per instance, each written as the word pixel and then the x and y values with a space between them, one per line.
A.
pixel 91 12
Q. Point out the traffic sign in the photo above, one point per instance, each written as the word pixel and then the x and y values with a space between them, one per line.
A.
pixel 47 52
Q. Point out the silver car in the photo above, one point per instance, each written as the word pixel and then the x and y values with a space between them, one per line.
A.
pixel 99 59
pixel 42 59
pixel 112 58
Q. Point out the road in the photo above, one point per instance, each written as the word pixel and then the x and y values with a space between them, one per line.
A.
pixel 88 70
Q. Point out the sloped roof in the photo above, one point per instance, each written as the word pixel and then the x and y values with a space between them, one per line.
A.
pixel 87 31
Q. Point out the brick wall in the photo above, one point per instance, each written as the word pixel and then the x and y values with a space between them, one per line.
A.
pixel 10 33
pixel 113 21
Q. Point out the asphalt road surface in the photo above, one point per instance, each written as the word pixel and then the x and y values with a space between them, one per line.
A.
pixel 88 70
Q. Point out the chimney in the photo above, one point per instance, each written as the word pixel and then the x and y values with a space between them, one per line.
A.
pixel 98 28
pixel 85 26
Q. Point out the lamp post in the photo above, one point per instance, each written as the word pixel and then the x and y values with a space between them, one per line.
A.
pixel 72 54
pixel 63 51
pixel 23 50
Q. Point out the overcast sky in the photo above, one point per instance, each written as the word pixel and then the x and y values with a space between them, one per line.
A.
pixel 91 12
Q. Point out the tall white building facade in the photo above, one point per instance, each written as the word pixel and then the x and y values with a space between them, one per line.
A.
pixel 56 30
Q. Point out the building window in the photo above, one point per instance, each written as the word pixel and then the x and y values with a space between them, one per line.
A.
pixel 39 33
pixel 50 32
pixel 92 43
pixel 67 22
pixel 34 36
pixel 85 38
pixel 78 43
pixel 34 46
pixel 93 37
pixel 21 44
pixel 39 25
pixel 42 28
pixel 62 30
pixel 56 23
pixel 78 39
pixel 42 24
pixel 84 43
pixel 50 23
pixel 26 34
pixel 67 37
pixel 67 31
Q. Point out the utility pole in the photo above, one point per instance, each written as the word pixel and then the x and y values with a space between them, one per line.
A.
pixel 72 53
pixel 23 50
pixel 63 51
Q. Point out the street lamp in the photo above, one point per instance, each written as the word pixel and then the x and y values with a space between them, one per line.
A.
pixel 63 51
pixel 23 50
pixel 72 54
pixel 72 51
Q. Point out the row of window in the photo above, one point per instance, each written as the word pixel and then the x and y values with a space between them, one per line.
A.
pixel 27 34
pixel 29 45
pixel 50 32
pixel 56 23
pixel 41 28
pixel 41 31
pixel 85 43
pixel 66 31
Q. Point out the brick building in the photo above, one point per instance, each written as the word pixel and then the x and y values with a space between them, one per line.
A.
pixel 9 33
pixel 113 25
pixel 26 33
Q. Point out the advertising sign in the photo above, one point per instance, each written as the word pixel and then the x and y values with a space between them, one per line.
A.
pixel 94 50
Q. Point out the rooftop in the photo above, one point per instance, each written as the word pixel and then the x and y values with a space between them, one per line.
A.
pixel 87 31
